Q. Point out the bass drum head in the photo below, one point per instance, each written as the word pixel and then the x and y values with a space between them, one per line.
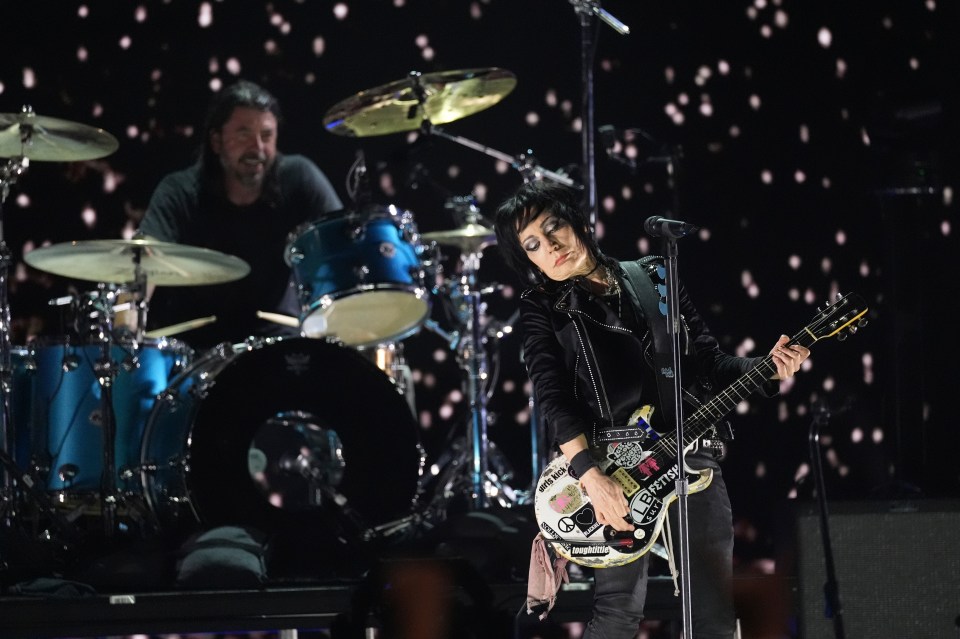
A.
pixel 286 430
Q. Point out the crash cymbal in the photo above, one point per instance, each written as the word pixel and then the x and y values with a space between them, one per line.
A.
pixel 467 238
pixel 395 107
pixel 40 138
pixel 163 263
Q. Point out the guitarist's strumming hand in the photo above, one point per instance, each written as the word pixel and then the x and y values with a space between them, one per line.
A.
pixel 609 503
pixel 607 498
pixel 787 359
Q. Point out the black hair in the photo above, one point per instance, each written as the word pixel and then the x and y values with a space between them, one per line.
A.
pixel 528 202
pixel 240 94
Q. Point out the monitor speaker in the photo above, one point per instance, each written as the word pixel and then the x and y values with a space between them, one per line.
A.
pixel 897 567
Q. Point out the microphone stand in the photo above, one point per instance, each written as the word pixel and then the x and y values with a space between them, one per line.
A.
pixel 682 485
pixel 831 588
pixel 587 10
pixel 673 332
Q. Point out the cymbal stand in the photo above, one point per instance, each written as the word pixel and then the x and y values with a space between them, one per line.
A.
pixel 524 163
pixel 9 173
pixel 105 370
pixel 474 362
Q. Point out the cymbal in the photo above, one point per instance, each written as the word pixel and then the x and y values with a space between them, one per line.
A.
pixel 41 138
pixel 395 107
pixel 471 237
pixel 163 263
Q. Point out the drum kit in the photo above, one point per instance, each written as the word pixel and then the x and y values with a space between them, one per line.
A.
pixel 136 429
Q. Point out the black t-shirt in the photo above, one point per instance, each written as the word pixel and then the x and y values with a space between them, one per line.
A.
pixel 181 211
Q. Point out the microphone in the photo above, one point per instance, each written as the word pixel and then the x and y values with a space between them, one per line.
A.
pixel 659 226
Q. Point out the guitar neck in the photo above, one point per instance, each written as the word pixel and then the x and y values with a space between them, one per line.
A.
pixel 701 420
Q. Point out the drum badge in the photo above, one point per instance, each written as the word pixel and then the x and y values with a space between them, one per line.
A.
pixel 387 249
pixel 297 363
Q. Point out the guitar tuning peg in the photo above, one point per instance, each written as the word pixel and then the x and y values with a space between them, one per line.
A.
pixel 841 337
pixel 853 329
pixel 862 323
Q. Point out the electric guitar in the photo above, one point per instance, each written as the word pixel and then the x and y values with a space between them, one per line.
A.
pixel 646 466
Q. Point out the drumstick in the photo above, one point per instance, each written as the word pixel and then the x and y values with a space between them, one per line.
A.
pixel 173 329
pixel 277 318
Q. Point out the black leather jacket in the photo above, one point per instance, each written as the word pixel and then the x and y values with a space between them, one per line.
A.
pixel 590 371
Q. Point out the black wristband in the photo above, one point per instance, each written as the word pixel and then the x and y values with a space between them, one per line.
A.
pixel 581 463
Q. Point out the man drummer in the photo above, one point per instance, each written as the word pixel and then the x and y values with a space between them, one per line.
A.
pixel 243 198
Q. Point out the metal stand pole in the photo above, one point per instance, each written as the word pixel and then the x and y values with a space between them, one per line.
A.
pixel 8 498
pixel 831 588
pixel 673 331
pixel 587 10
pixel 475 367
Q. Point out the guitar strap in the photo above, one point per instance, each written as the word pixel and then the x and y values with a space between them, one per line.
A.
pixel 645 292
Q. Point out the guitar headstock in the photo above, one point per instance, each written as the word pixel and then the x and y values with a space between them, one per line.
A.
pixel 840 319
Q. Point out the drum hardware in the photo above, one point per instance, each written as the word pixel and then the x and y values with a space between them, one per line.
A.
pixel 401 106
pixel 286 452
pixel 120 261
pixel 419 102
pixel 363 287
pixel 132 263
pixel 524 163
pixel 26 136
pixel 469 340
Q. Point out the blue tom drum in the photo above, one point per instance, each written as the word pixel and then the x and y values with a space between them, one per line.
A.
pixel 66 419
pixel 360 276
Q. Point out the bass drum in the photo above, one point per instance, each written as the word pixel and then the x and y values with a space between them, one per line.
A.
pixel 283 435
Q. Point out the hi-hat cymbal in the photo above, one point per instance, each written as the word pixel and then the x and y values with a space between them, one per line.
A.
pixel 40 138
pixel 471 237
pixel 163 263
pixel 400 106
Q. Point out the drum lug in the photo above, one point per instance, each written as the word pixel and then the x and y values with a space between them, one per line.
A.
pixel 355 233
pixel 200 390
pixel 168 398
pixel 130 363
pixel 70 363
pixel 361 273
pixel 294 256
pixel 148 467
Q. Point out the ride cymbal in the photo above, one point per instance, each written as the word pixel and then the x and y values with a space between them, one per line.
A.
pixel 163 263
pixel 403 105
pixel 40 138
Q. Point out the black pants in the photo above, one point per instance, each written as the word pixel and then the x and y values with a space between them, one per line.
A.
pixel 620 592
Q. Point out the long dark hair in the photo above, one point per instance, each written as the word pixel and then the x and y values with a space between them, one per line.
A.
pixel 240 94
pixel 526 203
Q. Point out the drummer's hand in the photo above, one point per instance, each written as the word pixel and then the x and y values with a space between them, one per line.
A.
pixel 607 498
pixel 787 359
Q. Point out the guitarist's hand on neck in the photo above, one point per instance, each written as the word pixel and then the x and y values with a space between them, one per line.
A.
pixel 786 358
pixel 609 503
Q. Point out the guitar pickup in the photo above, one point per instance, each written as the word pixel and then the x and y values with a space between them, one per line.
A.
pixel 621 435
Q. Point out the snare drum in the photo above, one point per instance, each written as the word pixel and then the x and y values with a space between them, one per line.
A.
pixel 67 419
pixel 360 276
pixel 267 432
